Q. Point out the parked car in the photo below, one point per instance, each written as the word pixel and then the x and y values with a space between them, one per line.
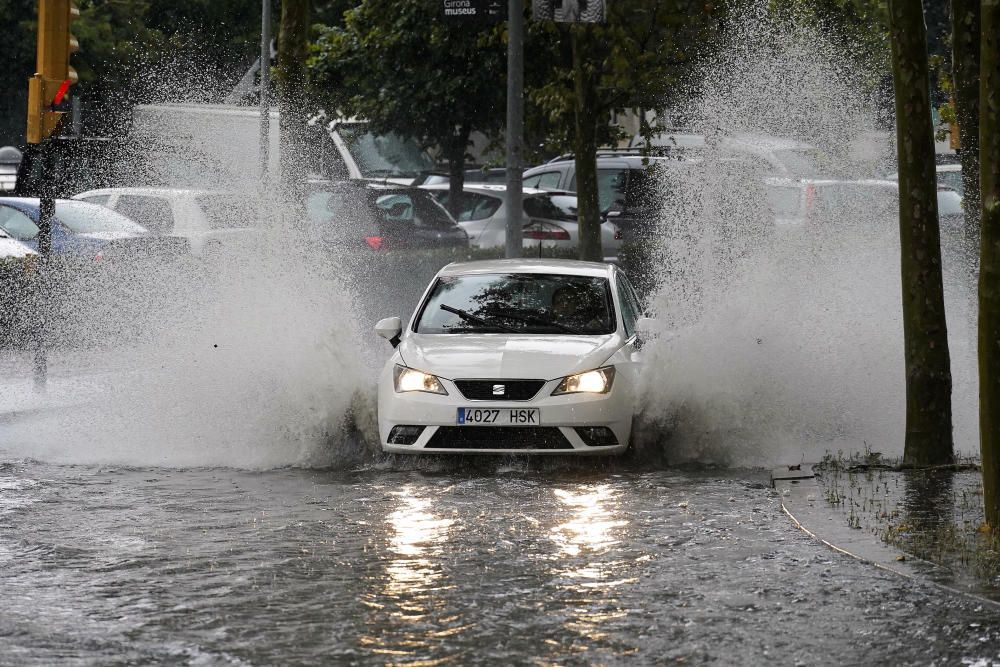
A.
pixel 472 175
pixel 948 175
pixel 17 263
pixel 363 214
pixel 773 156
pixel 798 201
pixel 211 221
pixel 13 251
pixel 550 218
pixel 79 230
pixel 628 187
pixel 514 357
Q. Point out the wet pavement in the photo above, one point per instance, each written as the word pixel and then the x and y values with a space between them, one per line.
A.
pixel 451 563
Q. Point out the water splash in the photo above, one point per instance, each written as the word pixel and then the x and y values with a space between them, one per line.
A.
pixel 786 340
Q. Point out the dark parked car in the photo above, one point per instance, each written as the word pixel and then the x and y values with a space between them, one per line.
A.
pixel 380 217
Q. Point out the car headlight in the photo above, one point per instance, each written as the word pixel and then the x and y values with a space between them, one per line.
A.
pixel 592 382
pixel 408 379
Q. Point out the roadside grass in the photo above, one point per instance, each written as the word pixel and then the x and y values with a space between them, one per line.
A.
pixel 932 513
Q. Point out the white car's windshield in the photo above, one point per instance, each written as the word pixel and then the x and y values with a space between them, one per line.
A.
pixel 384 154
pixel 83 218
pixel 528 303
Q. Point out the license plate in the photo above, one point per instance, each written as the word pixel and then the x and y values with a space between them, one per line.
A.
pixel 498 417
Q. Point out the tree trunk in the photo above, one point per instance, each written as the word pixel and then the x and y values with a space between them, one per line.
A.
pixel 965 29
pixel 989 264
pixel 456 170
pixel 293 38
pixel 925 332
pixel 585 146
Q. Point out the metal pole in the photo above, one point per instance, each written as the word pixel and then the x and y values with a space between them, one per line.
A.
pixel 515 125
pixel 42 291
pixel 265 73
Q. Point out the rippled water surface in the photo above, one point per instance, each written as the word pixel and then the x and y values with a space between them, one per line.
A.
pixel 508 566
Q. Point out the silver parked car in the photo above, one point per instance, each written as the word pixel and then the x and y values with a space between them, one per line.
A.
pixel 550 218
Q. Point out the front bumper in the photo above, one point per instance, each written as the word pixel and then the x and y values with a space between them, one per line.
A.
pixel 556 434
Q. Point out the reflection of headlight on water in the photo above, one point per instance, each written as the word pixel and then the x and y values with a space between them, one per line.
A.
pixel 592 524
pixel 415 529
pixel 416 539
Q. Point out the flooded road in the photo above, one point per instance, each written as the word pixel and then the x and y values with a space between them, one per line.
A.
pixel 495 564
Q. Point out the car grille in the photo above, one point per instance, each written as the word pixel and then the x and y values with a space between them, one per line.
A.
pixel 513 390
pixel 498 437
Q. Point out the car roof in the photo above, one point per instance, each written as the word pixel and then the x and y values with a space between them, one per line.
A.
pixel 557 266
pixel 486 188
pixel 169 192
pixel 32 203
pixel 360 184
pixel 634 161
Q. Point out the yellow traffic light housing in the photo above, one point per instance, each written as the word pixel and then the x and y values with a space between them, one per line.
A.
pixel 54 75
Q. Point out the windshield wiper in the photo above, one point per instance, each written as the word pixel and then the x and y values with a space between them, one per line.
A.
pixel 538 319
pixel 469 317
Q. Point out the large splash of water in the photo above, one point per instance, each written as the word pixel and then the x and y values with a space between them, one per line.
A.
pixel 786 340
pixel 245 356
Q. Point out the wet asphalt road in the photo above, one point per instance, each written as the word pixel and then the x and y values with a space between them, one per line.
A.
pixel 445 565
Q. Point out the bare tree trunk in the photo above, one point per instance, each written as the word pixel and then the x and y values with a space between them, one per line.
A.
pixel 293 40
pixel 965 30
pixel 456 169
pixel 925 332
pixel 585 146
pixel 989 264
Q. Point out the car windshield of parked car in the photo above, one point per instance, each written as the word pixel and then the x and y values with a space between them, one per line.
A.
pixel 83 218
pixel 474 206
pixel 384 154
pixel 17 224
pixel 342 214
pixel 611 185
pixel 804 162
pixel 410 207
pixel 551 207
pixel 516 303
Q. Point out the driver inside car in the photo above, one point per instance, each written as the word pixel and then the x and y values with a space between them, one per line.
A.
pixel 577 306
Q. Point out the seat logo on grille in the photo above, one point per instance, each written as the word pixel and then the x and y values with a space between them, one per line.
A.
pixel 499 389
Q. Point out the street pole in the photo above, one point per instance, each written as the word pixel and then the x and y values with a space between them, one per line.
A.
pixel 42 292
pixel 515 125
pixel 265 73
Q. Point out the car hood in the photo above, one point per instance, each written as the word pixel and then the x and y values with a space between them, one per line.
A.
pixel 12 248
pixel 501 356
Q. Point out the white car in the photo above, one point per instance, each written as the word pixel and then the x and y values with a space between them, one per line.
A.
pixel 514 357
pixel 795 201
pixel 549 218
pixel 13 251
pixel 210 220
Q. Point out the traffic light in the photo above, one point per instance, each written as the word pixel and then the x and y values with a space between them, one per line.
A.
pixel 47 90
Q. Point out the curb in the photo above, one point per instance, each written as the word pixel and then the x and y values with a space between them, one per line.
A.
pixel 800 493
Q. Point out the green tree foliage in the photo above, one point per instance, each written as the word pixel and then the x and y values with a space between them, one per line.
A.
pixel 860 27
pixel 406 69
pixel 580 74
pixel 636 60
pixel 965 42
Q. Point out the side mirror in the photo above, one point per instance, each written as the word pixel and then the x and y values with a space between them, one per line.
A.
pixel 390 328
